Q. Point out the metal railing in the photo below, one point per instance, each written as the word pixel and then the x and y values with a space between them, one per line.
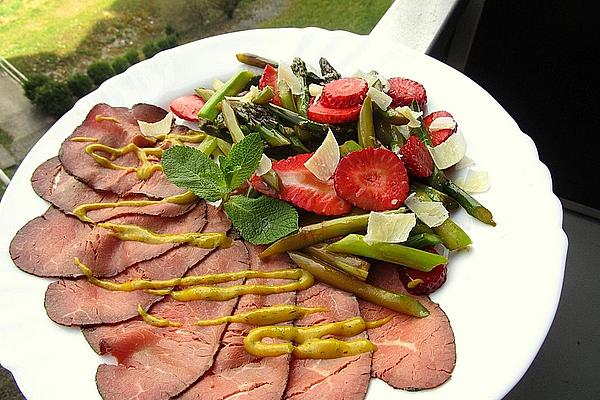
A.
pixel 12 71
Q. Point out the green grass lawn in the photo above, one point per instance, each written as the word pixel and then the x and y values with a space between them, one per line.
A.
pixel 59 37
pixel 350 15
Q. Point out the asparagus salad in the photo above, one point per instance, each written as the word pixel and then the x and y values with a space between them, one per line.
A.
pixel 336 171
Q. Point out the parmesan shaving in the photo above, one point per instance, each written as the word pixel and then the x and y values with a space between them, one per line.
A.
pixel 157 128
pixel 412 116
pixel 432 213
pixel 389 227
pixel 474 182
pixel 264 165
pixel 449 152
pixel 441 123
pixel 315 90
pixel 372 78
pixel 464 163
pixel 285 74
pixel 382 100
pixel 323 163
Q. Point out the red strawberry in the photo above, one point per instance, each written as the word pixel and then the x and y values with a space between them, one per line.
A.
pixel 403 91
pixel 344 93
pixel 423 283
pixel 440 136
pixel 319 113
pixel 416 158
pixel 269 78
pixel 372 179
pixel 187 107
pixel 301 188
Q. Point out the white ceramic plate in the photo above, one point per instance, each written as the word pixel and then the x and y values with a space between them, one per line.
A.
pixel 501 295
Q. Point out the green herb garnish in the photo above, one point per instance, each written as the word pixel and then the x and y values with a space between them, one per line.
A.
pixel 261 220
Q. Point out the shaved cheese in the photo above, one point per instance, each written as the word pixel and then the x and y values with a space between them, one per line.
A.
pixel 264 165
pixel 432 213
pixel 382 100
pixel 285 74
pixel 464 163
pixel 323 163
pixel 474 182
pixel 372 78
pixel 442 123
pixel 315 90
pixel 157 128
pixel 404 130
pixel 389 227
pixel 412 116
pixel 450 151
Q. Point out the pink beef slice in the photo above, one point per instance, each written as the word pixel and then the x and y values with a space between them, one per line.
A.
pixel 118 128
pixel 47 245
pixel 235 373
pixel 78 302
pixel 413 353
pixel 52 183
pixel 334 379
pixel 159 363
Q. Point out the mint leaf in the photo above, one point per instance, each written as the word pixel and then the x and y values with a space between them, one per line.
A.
pixel 243 159
pixel 262 220
pixel 191 169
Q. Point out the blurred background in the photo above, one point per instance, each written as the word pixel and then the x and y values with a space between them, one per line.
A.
pixel 534 58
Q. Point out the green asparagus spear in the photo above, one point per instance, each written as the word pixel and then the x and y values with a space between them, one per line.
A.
pixel 388 134
pixel 390 252
pixel 425 193
pixel 273 137
pixel 329 73
pixel 323 272
pixel 366 130
pixel 255 61
pixel 296 119
pixel 393 116
pixel 231 122
pixel 355 266
pixel 232 87
pixel 439 181
pixel 422 240
pixel 299 69
pixel 317 233
pixel 272 179
pixel 348 147
pixel 265 95
pixel 285 94
pixel 208 145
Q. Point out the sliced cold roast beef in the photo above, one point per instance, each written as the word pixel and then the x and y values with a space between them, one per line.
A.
pixel 52 183
pixel 47 245
pixel 159 363
pixel 78 302
pixel 235 373
pixel 413 353
pixel 344 378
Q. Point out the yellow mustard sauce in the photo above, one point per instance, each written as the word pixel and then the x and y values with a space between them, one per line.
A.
pixel 205 240
pixel 307 342
pixel 84 139
pixel 144 171
pixel 302 279
pixel 82 210
pixel 102 118
pixel 260 316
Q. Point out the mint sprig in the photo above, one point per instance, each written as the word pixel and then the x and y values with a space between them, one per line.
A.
pixel 260 220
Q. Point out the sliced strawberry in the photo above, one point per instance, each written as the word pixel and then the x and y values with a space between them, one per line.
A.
pixel 403 91
pixel 423 283
pixel 187 107
pixel 344 93
pixel 417 158
pixel 440 136
pixel 372 179
pixel 301 188
pixel 269 78
pixel 319 113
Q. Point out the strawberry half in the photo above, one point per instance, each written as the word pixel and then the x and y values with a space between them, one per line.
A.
pixel 319 113
pixel 344 93
pixel 187 107
pixel 372 179
pixel 416 158
pixel 440 136
pixel 423 283
pixel 301 188
pixel 403 91
pixel 269 78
